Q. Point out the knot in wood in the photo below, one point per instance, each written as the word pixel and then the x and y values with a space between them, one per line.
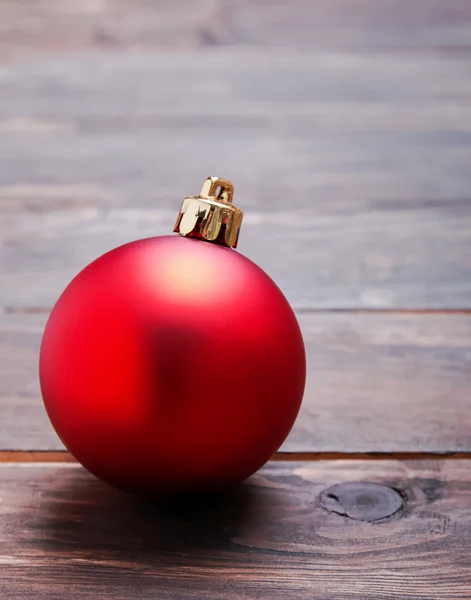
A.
pixel 362 501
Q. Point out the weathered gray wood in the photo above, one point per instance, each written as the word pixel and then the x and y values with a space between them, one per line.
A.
pixel 64 534
pixel 398 256
pixel 345 127
pixel 352 168
pixel 30 27
pixel 376 382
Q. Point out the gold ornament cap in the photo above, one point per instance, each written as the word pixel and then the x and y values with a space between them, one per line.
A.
pixel 211 216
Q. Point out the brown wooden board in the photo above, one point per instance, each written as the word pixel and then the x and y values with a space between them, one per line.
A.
pixel 345 126
pixel 63 534
pixel 376 383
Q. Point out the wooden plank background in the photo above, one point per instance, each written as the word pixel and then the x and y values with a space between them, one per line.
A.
pixel 71 536
pixel 345 126
pixel 376 383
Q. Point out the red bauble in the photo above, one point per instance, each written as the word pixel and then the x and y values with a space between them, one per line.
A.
pixel 172 363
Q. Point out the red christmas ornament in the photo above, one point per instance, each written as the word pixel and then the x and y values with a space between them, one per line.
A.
pixel 172 363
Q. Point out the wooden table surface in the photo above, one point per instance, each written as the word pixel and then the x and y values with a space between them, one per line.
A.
pixel 345 126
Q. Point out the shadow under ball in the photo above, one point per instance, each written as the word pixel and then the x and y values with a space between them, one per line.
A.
pixel 172 363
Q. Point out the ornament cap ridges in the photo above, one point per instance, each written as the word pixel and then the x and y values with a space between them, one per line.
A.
pixel 211 216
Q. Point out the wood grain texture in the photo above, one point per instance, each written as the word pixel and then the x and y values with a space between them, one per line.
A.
pixel 376 383
pixel 327 256
pixel 64 534
pixel 344 125
pixel 45 26
pixel 363 501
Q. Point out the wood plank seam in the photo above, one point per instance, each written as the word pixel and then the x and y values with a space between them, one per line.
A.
pixel 62 456
pixel 300 310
